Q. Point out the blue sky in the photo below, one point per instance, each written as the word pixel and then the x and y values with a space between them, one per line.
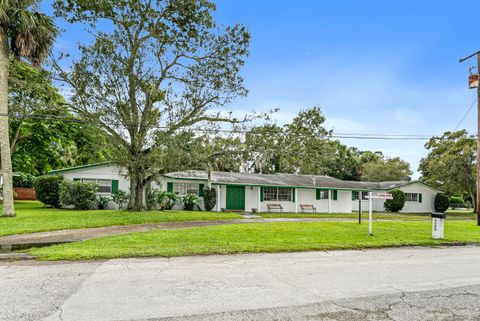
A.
pixel 372 66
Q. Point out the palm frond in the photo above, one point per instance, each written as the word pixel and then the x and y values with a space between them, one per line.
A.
pixel 31 33
pixel 34 36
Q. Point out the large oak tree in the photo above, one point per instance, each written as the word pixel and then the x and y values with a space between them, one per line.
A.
pixel 155 68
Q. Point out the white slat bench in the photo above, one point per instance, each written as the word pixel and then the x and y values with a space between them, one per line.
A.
pixel 275 207
pixel 305 207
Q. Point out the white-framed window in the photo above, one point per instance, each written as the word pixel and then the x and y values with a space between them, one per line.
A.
pixel 104 185
pixel 324 195
pixel 411 197
pixel 364 195
pixel 277 194
pixel 183 189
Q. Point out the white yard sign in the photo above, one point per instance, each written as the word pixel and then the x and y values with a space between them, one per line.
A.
pixel 384 196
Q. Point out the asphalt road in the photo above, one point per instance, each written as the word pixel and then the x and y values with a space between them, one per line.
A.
pixel 389 284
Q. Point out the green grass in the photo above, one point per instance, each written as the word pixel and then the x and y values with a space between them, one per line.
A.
pixel 260 237
pixel 34 217
pixel 451 215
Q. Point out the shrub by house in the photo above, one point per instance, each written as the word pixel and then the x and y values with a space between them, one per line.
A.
pixel 47 189
pixel 397 203
pixel 78 195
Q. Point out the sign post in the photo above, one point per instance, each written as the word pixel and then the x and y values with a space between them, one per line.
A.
pixel 384 196
pixel 370 197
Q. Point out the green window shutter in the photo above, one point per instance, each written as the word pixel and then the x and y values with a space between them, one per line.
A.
pixel 334 194
pixel 114 186
pixel 261 194
pixel 317 194
pixel 201 188
pixel 420 197
pixel 293 195
pixel 76 179
pixel 353 195
pixel 170 187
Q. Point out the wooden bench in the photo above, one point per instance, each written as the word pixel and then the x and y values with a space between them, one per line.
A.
pixel 275 207
pixel 305 207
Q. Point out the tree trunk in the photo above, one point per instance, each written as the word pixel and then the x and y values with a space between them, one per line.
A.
pixel 8 207
pixel 137 193
pixel 474 202
pixel 209 179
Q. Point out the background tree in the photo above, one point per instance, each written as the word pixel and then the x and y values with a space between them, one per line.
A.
pixel 264 149
pixel 160 66
pixel 26 33
pixel 343 162
pixel 451 163
pixel 44 135
pixel 386 169
pixel 306 148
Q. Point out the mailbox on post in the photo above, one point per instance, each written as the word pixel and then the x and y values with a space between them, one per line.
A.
pixel 438 225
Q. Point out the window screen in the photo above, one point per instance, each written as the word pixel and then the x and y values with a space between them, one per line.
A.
pixel 185 188
pixel 104 185
pixel 411 197
pixel 364 196
pixel 277 194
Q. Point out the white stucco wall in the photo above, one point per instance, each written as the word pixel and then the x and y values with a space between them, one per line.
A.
pixel 343 203
pixel 308 197
pixel 100 172
pixel 223 197
pixel 377 204
pixel 428 197
pixel 252 193
pixel 426 206
pixel 162 185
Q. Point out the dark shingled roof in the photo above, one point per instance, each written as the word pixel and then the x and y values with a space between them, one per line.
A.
pixel 292 180
pixel 382 185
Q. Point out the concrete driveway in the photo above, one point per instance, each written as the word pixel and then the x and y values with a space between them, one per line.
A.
pixel 387 284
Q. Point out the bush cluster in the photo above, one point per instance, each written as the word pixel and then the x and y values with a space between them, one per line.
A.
pixel 47 189
pixel 79 195
pixel 157 199
pixel 457 200
pixel 209 198
pixel 397 203
pixel 191 202
pixel 441 202
pixel 120 198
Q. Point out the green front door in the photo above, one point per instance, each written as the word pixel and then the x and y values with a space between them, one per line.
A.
pixel 236 198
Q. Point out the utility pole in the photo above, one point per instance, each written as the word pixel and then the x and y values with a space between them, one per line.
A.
pixel 477 201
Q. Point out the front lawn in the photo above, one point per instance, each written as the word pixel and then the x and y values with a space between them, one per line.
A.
pixel 451 215
pixel 260 237
pixel 34 217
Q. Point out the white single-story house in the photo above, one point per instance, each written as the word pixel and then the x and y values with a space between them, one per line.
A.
pixel 257 192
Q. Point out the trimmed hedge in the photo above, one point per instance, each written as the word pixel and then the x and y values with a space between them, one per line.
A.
pixel 441 202
pixel 47 189
pixel 397 203
pixel 209 199
pixel 457 200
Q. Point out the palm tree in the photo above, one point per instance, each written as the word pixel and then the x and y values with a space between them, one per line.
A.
pixel 24 33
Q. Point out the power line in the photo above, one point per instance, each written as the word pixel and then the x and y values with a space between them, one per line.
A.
pixel 362 136
pixel 465 116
